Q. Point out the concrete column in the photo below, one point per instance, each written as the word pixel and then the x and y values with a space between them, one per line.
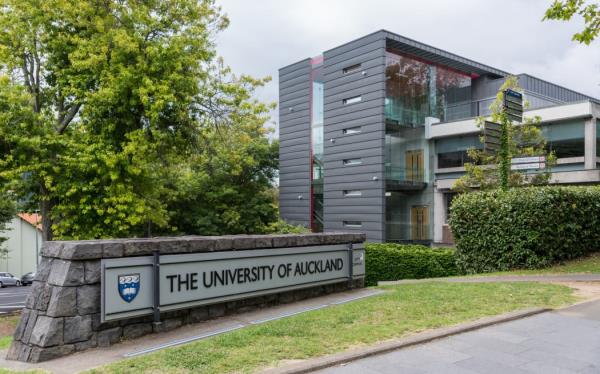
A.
pixel 439 213
pixel 590 144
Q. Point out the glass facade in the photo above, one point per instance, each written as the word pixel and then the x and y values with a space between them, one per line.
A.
pixel 565 139
pixel 453 152
pixel 417 92
pixel 316 124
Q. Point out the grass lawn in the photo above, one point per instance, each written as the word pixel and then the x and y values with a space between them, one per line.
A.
pixel 8 324
pixel 589 264
pixel 403 310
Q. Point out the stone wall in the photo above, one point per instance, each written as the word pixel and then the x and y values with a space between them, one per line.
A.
pixel 62 312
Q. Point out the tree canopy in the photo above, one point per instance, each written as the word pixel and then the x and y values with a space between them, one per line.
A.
pixel 118 119
pixel 565 10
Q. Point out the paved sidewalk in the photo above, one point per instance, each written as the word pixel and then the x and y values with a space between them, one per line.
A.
pixel 505 278
pixel 563 341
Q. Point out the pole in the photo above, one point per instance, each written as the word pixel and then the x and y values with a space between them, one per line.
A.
pixel 504 154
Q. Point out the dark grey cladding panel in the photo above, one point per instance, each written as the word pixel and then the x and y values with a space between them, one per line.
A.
pixel 550 90
pixel 368 51
pixel 294 133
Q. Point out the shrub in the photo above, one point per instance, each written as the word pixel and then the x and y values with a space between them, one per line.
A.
pixel 389 261
pixel 524 227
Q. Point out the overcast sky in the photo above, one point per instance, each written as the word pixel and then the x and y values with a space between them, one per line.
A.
pixel 265 35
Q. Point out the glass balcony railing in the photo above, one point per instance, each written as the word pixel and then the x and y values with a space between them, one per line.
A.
pixel 404 232
pixel 403 174
pixel 403 117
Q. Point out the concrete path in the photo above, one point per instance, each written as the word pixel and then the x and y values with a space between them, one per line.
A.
pixel 505 278
pixel 562 341
pixel 13 298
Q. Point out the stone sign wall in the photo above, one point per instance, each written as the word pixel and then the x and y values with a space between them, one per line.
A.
pixel 62 312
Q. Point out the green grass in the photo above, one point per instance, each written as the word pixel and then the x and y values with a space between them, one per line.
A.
pixel 402 310
pixel 589 264
pixel 5 342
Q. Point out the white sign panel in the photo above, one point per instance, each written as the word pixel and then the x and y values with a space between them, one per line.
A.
pixel 528 160
pixel 535 165
pixel 187 280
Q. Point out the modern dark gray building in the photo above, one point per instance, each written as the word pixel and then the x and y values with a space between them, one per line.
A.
pixel 374 133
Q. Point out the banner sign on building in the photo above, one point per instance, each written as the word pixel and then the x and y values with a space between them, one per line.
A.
pixel 139 286
pixel 528 163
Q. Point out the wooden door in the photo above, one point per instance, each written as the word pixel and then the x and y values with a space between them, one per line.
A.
pixel 414 165
pixel 419 222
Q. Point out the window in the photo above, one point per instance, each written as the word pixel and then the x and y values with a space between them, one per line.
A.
pixel 352 161
pixel 453 159
pixel 566 139
pixel 351 69
pixel 352 224
pixel 352 100
pixel 352 193
pixel 352 130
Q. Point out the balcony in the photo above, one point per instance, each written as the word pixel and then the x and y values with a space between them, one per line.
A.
pixel 403 179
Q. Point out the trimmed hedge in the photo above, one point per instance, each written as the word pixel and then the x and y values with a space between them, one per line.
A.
pixel 390 261
pixel 524 228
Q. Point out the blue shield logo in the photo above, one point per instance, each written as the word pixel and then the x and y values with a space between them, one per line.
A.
pixel 129 286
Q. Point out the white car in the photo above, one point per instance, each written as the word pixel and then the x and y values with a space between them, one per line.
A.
pixel 7 279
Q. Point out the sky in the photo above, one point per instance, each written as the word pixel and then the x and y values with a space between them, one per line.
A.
pixel 265 35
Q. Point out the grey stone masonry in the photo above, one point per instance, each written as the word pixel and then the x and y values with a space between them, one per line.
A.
pixel 62 312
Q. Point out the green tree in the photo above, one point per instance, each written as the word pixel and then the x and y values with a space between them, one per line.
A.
pixel 564 10
pixel 110 105
pixel 489 170
pixel 7 213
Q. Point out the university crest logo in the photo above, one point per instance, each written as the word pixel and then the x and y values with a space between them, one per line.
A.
pixel 129 286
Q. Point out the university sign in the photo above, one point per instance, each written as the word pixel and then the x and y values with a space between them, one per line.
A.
pixel 138 286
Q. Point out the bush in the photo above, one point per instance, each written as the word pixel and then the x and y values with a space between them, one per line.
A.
pixel 389 261
pixel 524 227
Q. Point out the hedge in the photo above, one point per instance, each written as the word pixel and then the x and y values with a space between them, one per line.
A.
pixel 389 261
pixel 524 228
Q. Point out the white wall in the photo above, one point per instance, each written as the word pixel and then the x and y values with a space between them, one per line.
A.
pixel 22 256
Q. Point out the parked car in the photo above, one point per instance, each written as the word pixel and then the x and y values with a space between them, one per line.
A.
pixel 27 278
pixel 7 279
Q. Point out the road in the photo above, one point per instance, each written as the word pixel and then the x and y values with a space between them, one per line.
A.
pixel 563 341
pixel 13 298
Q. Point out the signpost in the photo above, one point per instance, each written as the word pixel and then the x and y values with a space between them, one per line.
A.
pixel 148 285
pixel 513 105
pixel 528 163
pixel 491 132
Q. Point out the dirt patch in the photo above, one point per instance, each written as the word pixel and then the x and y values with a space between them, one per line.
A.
pixel 584 290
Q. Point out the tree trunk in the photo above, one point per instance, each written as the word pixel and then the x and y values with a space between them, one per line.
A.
pixel 46 205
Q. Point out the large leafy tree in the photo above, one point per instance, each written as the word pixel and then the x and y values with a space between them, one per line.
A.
pixel 108 105
pixel 565 10
pixel 7 213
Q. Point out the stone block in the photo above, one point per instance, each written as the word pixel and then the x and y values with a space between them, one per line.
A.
pixel 97 325
pixel 308 239
pixel 77 329
pixel 43 297
pixel 63 302
pixel 66 273
pixel 284 240
pixel 33 294
pixel 44 354
pixel 286 297
pixel 197 315
pixel 18 351
pixel 88 299
pixel 51 249
pixel 48 332
pixel 112 249
pixel 43 270
pixel 263 241
pixel 110 336
pixel 28 329
pixel 92 342
pixel 223 243
pixel 200 244
pixel 136 330
pixel 167 325
pixel 92 271
pixel 172 245
pixel 81 250
pixel 216 310
pixel 243 242
pixel 18 334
